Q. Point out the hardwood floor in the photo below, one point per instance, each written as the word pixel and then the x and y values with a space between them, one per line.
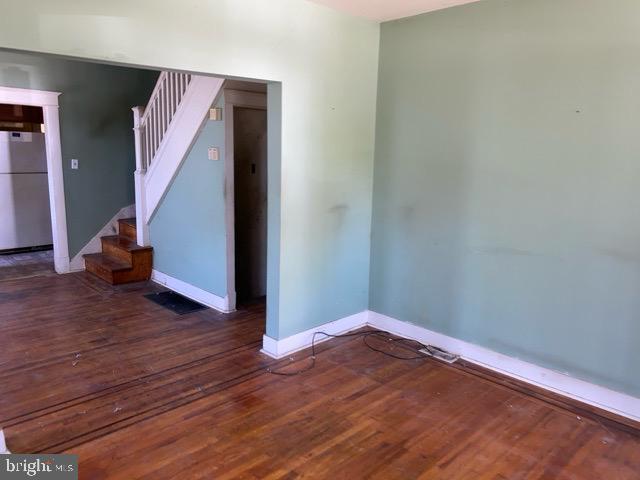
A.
pixel 26 264
pixel 139 392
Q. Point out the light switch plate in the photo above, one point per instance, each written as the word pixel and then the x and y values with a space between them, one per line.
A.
pixel 215 114
pixel 74 164
pixel 214 153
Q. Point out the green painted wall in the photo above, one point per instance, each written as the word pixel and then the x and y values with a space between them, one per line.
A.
pixel 274 204
pixel 327 64
pixel 95 127
pixel 505 169
pixel 188 231
pixel 506 181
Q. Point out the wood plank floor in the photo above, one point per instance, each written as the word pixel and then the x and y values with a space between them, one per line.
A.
pixel 139 392
pixel 26 264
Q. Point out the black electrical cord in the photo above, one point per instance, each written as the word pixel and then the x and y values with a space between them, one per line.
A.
pixel 411 345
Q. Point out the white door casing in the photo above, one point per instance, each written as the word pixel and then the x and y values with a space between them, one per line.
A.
pixel 49 103
pixel 234 98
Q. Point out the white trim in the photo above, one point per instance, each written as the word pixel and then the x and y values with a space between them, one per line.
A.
pixel 95 244
pixel 26 96
pixel 143 238
pixel 49 103
pixel 601 397
pixel 178 139
pixel 229 202
pixel 560 383
pixel 232 99
pixel 287 346
pixel 194 293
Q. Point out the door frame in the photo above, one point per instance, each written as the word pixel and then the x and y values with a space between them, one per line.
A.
pixel 50 109
pixel 234 99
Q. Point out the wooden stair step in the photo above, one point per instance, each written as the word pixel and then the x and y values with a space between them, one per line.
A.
pixel 106 267
pixel 107 261
pixel 124 242
pixel 122 260
pixel 127 227
pixel 123 248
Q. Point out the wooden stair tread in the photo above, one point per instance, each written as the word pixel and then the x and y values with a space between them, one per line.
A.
pixel 129 221
pixel 127 228
pixel 124 243
pixel 108 262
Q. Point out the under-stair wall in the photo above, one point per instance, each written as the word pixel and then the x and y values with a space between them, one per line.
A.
pixel 188 230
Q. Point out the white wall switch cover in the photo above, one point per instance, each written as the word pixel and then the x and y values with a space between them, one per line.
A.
pixel 215 114
pixel 74 164
pixel 214 153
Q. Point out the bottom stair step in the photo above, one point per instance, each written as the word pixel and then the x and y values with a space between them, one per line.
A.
pixel 112 270
pixel 106 267
pixel 121 260
pixel 107 262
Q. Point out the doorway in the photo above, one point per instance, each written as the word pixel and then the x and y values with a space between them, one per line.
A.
pixel 26 244
pixel 31 171
pixel 246 187
pixel 250 200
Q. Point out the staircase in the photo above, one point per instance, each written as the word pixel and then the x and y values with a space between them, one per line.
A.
pixel 164 132
pixel 122 260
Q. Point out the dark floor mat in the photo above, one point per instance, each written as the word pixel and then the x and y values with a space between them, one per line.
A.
pixel 175 302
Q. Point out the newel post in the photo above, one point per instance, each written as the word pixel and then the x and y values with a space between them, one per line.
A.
pixel 142 228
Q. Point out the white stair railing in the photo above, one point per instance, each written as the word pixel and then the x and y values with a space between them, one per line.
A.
pixel 176 97
pixel 156 117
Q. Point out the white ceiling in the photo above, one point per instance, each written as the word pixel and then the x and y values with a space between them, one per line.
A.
pixel 383 10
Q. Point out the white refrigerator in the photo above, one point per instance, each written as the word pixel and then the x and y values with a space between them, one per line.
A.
pixel 25 218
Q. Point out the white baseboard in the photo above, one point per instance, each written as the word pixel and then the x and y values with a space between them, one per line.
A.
pixel 560 383
pixel 601 397
pixel 286 346
pixel 95 245
pixel 194 293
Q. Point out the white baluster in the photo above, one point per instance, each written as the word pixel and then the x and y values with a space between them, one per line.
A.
pixel 147 144
pixel 156 127
pixel 163 106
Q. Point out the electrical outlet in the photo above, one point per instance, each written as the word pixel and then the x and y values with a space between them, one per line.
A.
pixel 440 354
pixel 74 164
